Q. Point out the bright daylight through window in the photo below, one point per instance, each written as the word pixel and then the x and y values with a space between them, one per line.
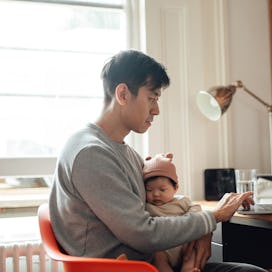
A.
pixel 51 56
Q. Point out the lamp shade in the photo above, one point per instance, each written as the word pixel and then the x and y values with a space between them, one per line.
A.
pixel 214 102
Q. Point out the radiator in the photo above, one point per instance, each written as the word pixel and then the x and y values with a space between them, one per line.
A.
pixel 26 257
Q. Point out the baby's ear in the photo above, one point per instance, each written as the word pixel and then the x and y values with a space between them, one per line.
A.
pixel 169 155
pixel 148 158
pixel 176 187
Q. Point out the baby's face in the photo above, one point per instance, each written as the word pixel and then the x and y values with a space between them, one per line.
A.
pixel 159 191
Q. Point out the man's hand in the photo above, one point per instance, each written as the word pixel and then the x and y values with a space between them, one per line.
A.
pixel 202 248
pixel 229 203
pixel 224 210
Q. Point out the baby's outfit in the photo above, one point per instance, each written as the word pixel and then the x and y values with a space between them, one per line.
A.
pixel 179 206
pixel 161 165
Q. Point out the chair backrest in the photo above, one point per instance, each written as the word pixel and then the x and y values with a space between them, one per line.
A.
pixel 83 264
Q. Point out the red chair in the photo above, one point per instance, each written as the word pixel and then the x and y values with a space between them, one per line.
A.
pixel 83 264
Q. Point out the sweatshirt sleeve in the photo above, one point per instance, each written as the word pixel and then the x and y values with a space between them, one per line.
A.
pixel 113 196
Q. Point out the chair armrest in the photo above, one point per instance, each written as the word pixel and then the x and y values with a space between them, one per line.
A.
pixel 105 265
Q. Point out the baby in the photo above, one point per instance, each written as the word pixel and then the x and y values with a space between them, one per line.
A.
pixel 161 183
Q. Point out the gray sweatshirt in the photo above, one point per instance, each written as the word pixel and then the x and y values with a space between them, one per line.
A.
pixel 97 203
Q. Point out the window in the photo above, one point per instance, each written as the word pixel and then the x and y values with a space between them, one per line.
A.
pixel 51 56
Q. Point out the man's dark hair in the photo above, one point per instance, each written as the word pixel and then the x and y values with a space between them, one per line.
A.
pixel 135 69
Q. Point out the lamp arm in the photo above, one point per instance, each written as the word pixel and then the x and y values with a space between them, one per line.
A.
pixel 269 108
pixel 241 85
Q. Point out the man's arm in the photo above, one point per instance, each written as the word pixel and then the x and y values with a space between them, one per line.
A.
pixel 225 208
pixel 111 194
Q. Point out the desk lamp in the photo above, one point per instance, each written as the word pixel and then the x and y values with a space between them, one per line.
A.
pixel 214 102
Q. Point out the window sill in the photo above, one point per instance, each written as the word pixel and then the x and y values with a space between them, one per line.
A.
pixel 22 202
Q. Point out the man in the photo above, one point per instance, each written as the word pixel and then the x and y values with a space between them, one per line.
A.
pixel 97 202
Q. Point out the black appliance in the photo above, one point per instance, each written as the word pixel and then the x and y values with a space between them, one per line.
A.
pixel 218 182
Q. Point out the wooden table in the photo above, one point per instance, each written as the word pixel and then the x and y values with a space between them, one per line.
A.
pixel 245 238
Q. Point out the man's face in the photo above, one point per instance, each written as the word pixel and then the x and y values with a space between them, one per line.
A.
pixel 141 109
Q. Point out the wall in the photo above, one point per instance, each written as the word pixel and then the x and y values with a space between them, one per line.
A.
pixel 200 44
pixel 250 62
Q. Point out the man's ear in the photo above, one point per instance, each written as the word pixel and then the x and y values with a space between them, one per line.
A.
pixel 122 93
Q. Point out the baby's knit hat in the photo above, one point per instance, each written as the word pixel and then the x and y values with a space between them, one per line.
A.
pixel 160 166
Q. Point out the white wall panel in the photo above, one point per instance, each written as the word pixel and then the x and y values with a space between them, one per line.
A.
pixel 181 34
pixel 250 62
pixel 194 39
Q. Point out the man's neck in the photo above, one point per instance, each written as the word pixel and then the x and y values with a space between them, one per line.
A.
pixel 112 127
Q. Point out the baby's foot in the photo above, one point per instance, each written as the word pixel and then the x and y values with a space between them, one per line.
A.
pixel 123 256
